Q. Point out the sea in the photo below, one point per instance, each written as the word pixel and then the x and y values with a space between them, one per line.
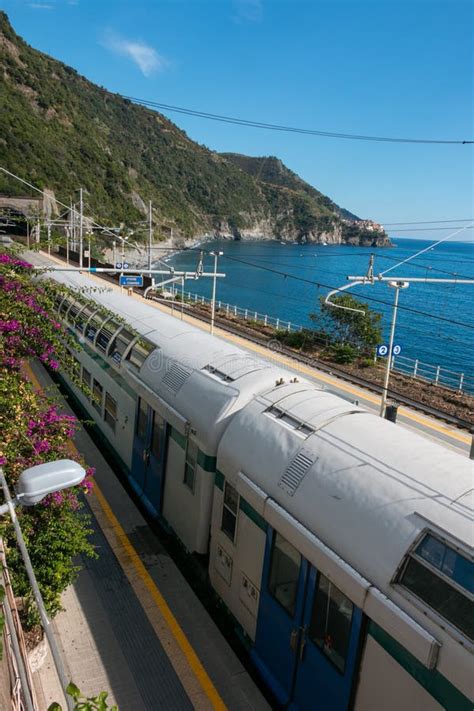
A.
pixel 435 322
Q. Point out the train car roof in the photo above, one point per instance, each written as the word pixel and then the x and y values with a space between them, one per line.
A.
pixel 364 486
pixel 206 379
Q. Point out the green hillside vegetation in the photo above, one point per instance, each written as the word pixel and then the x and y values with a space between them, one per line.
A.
pixel 60 131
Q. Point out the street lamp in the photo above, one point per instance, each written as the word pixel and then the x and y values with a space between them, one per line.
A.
pixel 216 255
pixel 397 285
pixel 33 485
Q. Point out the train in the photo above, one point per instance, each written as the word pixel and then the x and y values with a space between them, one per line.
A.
pixel 339 542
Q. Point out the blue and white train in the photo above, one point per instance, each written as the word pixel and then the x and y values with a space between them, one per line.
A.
pixel 340 542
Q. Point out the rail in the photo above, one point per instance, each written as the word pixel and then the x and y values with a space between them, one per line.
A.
pixel 412 367
pixel 331 369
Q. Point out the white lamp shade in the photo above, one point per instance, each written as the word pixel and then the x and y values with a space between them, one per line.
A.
pixel 37 482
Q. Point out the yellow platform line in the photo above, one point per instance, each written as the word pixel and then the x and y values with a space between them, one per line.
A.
pixel 191 657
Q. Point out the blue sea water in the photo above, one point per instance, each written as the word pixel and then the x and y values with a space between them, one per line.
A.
pixel 435 321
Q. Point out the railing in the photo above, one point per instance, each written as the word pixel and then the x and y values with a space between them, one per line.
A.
pixel 435 374
pixel 246 314
pixel 414 368
pixel 14 646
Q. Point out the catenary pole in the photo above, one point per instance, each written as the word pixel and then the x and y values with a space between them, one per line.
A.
pixel 150 234
pixel 81 227
pixel 216 255
pixel 397 285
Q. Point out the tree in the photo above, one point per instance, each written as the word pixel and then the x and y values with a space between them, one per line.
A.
pixel 362 331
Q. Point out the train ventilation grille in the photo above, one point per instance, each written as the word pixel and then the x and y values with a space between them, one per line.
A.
pixel 175 377
pixel 295 473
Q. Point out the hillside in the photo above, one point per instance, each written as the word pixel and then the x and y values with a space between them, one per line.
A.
pixel 61 131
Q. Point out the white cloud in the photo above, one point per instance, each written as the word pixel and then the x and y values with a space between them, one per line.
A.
pixel 247 11
pixel 145 57
pixel 40 6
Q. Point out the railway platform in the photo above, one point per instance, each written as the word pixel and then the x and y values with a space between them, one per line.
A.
pixel 132 625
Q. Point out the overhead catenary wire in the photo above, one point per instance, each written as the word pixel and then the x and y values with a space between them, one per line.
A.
pixel 320 283
pixel 288 129
pixel 404 326
pixel 425 249
pixel 284 274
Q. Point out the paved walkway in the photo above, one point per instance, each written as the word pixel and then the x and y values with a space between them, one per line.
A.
pixel 132 625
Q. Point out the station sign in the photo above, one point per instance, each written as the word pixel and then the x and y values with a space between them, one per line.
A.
pixel 131 280
pixel 382 350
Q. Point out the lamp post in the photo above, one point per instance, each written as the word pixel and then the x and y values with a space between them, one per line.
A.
pixel 397 285
pixel 33 485
pixel 216 255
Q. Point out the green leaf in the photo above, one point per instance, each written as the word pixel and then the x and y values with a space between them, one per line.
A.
pixel 55 707
pixel 73 691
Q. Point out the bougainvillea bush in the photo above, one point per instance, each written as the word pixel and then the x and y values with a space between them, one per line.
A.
pixel 34 431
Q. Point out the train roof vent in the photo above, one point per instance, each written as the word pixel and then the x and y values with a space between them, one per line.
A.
pixel 296 471
pixel 234 366
pixel 175 377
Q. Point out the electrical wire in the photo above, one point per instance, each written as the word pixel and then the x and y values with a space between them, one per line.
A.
pixel 328 286
pixel 425 222
pixel 426 249
pixel 288 129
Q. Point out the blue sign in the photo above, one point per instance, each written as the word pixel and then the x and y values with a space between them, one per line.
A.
pixel 118 265
pixel 126 265
pixel 133 280
pixel 382 350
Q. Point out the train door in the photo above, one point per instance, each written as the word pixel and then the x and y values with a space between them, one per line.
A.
pixel 155 471
pixel 307 640
pixel 328 647
pixel 140 446
pixel 280 615
pixel 149 456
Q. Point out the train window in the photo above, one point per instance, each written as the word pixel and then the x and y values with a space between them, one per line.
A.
pixel 284 573
pixel 110 411
pixel 86 378
pixel 106 333
pixel 76 306
pixel 157 435
pixel 94 324
pixel 58 299
pixel 229 511
pixel 142 419
pixel 120 344
pixel 97 392
pixel 140 352
pixel 84 315
pixel 442 578
pixel 190 464
pixel 331 619
pixel 66 303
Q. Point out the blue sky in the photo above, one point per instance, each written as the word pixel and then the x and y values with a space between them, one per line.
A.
pixel 381 67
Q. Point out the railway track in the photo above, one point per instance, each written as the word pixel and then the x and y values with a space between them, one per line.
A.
pixel 328 368
pixel 325 367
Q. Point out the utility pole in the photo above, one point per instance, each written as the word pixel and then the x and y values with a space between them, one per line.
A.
pixel 397 285
pixel 150 234
pixel 49 237
pixel 216 255
pixel 401 283
pixel 81 227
